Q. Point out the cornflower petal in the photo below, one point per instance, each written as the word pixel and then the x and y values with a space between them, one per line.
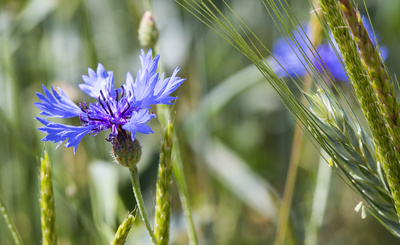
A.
pixel 147 62
pixel 149 68
pixel 137 123
pixel 291 56
pixel 370 31
pixel 57 132
pixel 166 87
pixel 56 105
pixel 374 37
pixel 148 88
pixel 96 82
pixel 144 90
pixel 331 62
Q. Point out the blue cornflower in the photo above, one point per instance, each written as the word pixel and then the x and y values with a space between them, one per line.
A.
pixel 291 55
pixel 124 110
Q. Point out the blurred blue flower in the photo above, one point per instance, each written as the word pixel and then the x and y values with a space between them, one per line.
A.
pixel 290 53
pixel 124 109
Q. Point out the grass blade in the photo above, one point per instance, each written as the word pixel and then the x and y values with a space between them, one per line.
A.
pixel 10 224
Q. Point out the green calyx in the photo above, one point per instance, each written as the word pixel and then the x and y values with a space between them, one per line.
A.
pixel 125 151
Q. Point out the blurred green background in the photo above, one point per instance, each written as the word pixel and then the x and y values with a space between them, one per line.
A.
pixel 234 132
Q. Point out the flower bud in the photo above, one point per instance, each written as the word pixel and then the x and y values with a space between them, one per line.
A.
pixel 148 32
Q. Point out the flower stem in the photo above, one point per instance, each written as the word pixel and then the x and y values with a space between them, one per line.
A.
pixel 10 224
pixel 139 199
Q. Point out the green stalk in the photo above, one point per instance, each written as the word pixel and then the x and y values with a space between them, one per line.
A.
pixel 364 91
pixel 123 231
pixel 47 209
pixel 163 197
pixel 139 199
pixel 10 224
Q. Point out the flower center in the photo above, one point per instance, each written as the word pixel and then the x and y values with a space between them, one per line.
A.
pixel 110 111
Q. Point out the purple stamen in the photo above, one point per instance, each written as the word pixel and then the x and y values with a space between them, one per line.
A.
pixel 83 120
pixel 117 97
pixel 123 91
pixel 81 107
pixel 109 108
pixel 127 107
pixel 101 103
pixel 102 95
pixel 95 119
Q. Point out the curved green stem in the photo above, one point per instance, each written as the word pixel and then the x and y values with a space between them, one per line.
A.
pixel 10 224
pixel 139 199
